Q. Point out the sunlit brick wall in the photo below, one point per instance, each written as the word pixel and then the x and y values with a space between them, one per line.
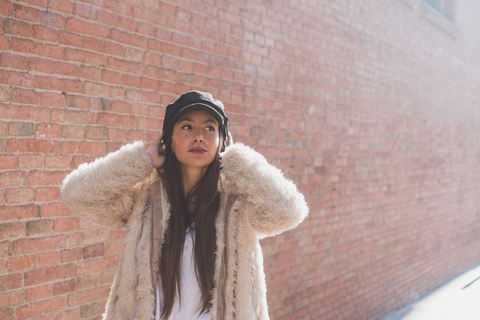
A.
pixel 371 107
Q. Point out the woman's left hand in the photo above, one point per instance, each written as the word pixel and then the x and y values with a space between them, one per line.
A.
pixel 229 140
pixel 156 153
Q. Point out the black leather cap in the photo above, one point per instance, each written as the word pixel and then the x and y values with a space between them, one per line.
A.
pixel 195 100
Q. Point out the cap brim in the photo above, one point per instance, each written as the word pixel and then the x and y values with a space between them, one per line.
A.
pixel 198 106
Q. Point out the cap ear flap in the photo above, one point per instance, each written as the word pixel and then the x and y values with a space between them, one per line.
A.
pixel 224 132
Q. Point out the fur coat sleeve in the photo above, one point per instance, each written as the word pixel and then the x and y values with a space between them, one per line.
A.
pixel 104 191
pixel 275 204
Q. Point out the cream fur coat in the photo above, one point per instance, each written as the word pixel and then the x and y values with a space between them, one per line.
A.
pixel 122 190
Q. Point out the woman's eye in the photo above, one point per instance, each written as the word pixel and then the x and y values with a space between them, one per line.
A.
pixel 210 128
pixel 186 127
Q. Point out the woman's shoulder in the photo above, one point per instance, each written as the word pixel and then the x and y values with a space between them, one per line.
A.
pixel 242 165
pixel 239 158
pixel 276 203
pixel 238 152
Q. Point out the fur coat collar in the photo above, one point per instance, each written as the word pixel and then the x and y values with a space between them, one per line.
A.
pixel 121 190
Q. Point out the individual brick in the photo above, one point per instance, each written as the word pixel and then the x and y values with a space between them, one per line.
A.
pixel 67 69
pixel 46 178
pixel 12 230
pixel 87 237
pixel 16 27
pixel 83 297
pixel 93 251
pixel 5 95
pixel 51 99
pixel 73 132
pixel 20 263
pixel 11 299
pixel 10 282
pixel 39 308
pixel 47 194
pixel 46 259
pixel 33 145
pixel 67 224
pixel 96 133
pixel 93 148
pixel 38 293
pixel 4 42
pixel 45 33
pixel 47 130
pixel 90 73
pixel 39 227
pixel 84 10
pixel 5 248
pixel 19 195
pixel 51 83
pixel 25 96
pixel 64 287
pixel 56 210
pixel 18 212
pixel 15 61
pixel 57 161
pixel 8 162
pixel 71 255
pixel 61 5
pixel 38 16
pixel 95 265
pixel 13 78
pixel 7 314
pixel 82 27
pixel 23 246
pixel 42 65
pixel 49 274
pixel 70 39
pixel 88 281
pixel 39 49
pixel 31 161
pixel 21 129
pixel 5 8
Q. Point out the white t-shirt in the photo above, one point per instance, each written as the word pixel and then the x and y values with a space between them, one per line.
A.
pixel 190 289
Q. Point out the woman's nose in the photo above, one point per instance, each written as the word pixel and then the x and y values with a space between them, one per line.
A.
pixel 198 136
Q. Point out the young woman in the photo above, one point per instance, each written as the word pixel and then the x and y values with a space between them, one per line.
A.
pixel 194 206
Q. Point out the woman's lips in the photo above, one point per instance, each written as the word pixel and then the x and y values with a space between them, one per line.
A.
pixel 197 150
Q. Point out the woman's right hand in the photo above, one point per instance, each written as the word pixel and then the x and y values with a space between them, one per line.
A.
pixel 156 153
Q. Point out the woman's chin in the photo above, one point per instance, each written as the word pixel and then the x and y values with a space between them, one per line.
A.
pixel 197 164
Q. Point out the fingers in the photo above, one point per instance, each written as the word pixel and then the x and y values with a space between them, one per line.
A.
pixel 159 145
pixel 156 153
pixel 158 142
pixel 229 140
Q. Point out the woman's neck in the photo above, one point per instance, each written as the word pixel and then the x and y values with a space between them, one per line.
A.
pixel 191 176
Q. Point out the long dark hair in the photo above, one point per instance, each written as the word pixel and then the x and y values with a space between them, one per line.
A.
pixel 205 200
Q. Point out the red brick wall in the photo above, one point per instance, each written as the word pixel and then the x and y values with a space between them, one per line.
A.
pixel 371 107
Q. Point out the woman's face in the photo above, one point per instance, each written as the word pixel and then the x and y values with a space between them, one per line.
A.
pixel 195 139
